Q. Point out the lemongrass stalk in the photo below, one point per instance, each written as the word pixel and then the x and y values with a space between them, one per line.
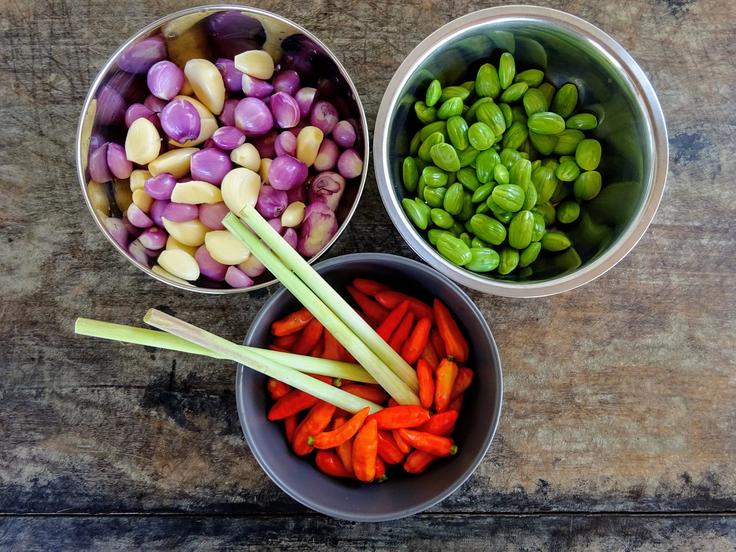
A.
pixel 296 263
pixel 163 340
pixel 385 377
pixel 255 361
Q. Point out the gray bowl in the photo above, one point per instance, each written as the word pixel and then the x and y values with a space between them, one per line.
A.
pixel 222 31
pixel 632 131
pixel 402 495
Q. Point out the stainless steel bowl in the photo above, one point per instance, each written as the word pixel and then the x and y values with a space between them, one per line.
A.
pixel 632 128
pixel 223 31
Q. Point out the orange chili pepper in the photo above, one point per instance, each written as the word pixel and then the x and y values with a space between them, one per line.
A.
pixel 331 349
pixel 331 439
pixel 369 287
pixel 329 463
pixel 373 311
pixel 456 404
pixel 402 332
pixel 286 341
pixel 417 341
pixel 400 443
pixel 418 461
pixel 438 344
pixel 391 322
pixel 397 417
pixel 291 323
pixel 462 382
pixel 430 355
pixel 390 299
pixel 455 344
pixel 426 383
pixel 445 379
pixel 380 470
pixel 317 419
pixel 291 403
pixel 440 424
pixel 365 451
pixel 388 451
pixel 433 444
pixel 277 389
pixel 371 393
pixel 309 338
pixel 344 450
pixel 290 424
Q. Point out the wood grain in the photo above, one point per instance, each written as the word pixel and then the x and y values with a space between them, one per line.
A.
pixel 620 397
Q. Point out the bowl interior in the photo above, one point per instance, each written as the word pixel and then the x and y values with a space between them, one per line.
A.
pixel 212 33
pixel 401 495
pixel 565 55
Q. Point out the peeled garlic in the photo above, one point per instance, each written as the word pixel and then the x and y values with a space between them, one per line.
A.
pixel 225 248
pixel 97 194
pixel 138 178
pixel 173 243
pixel 263 169
pixel 179 263
pixel 175 162
pixel 166 274
pixel 256 63
pixel 293 215
pixel 308 142
pixel 196 192
pixel 246 156
pixel 142 200
pixel 207 83
pixel 239 188
pixel 142 143
pixel 190 232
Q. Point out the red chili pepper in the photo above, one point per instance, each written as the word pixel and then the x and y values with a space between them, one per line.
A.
pixel 329 463
pixel 456 404
pixel 417 341
pixel 286 341
pixel 440 424
pixel 462 382
pixel 388 451
pixel 316 351
pixel 400 443
pixel 365 451
pixel 445 379
pixel 291 323
pixel 309 338
pixel 438 344
pixel 418 461
pixel 317 420
pixel 371 393
pixel 345 355
pixel 331 349
pixel 325 379
pixel 279 349
pixel 433 444
pixel 390 299
pixel 369 287
pixel 375 312
pixel 344 450
pixel 402 332
pixel 455 344
pixel 290 424
pixel 392 402
pixel 430 355
pixel 291 403
pixel 277 389
pixel 426 383
pixel 380 470
pixel 397 417
pixel 331 439
pixel 391 322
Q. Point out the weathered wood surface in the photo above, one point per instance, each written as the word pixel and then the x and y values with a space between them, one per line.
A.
pixel 620 397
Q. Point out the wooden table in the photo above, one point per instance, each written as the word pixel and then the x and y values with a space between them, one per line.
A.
pixel 619 424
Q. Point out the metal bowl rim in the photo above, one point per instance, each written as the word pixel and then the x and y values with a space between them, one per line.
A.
pixel 102 73
pixel 647 103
